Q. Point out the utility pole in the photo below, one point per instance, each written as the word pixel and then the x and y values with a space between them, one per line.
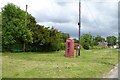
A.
pixel 25 26
pixel 26 16
pixel 79 25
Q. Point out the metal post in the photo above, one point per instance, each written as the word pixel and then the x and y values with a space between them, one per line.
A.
pixel 79 24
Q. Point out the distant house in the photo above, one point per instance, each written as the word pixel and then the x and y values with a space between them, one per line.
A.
pixel 104 44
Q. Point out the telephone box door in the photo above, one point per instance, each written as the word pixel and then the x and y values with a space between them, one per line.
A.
pixel 68 48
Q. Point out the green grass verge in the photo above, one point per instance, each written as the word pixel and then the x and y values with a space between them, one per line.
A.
pixel 91 64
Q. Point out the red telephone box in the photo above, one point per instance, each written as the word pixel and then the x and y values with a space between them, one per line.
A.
pixel 69 52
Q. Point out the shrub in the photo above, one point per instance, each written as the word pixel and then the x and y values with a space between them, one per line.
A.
pixel 62 46
pixel 86 46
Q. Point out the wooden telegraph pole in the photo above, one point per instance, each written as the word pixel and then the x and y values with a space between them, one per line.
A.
pixel 25 26
pixel 79 25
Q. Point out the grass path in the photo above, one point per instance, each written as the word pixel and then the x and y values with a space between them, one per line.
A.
pixel 91 64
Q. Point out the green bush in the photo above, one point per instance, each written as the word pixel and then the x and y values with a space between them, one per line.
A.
pixel 62 46
pixel 75 45
pixel 86 46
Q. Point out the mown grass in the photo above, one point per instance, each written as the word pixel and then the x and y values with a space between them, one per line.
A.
pixel 91 64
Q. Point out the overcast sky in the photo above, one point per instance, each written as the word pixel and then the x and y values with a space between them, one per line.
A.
pixel 98 17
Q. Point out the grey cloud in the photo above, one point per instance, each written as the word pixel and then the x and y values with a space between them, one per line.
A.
pixel 50 17
pixel 70 28
pixel 66 1
pixel 65 16
pixel 104 24
pixel 62 3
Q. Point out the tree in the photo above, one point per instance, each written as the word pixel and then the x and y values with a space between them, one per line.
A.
pixel 55 41
pixel 86 41
pixel 0 19
pixel 46 39
pixel 21 28
pixel 76 41
pixel 111 40
pixel 98 39
pixel 119 40
pixel 13 28
pixel 64 36
pixel 0 31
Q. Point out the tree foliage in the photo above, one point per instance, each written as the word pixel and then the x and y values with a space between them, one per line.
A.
pixel 0 21
pixel 0 18
pixel 13 28
pixel 86 41
pixel 21 28
pixel 111 40
pixel 98 39
pixel 119 40
pixel 64 36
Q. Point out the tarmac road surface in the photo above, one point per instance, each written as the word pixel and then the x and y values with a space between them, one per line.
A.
pixel 113 73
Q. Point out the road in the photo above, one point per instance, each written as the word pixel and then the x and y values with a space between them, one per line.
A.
pixel 113 73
